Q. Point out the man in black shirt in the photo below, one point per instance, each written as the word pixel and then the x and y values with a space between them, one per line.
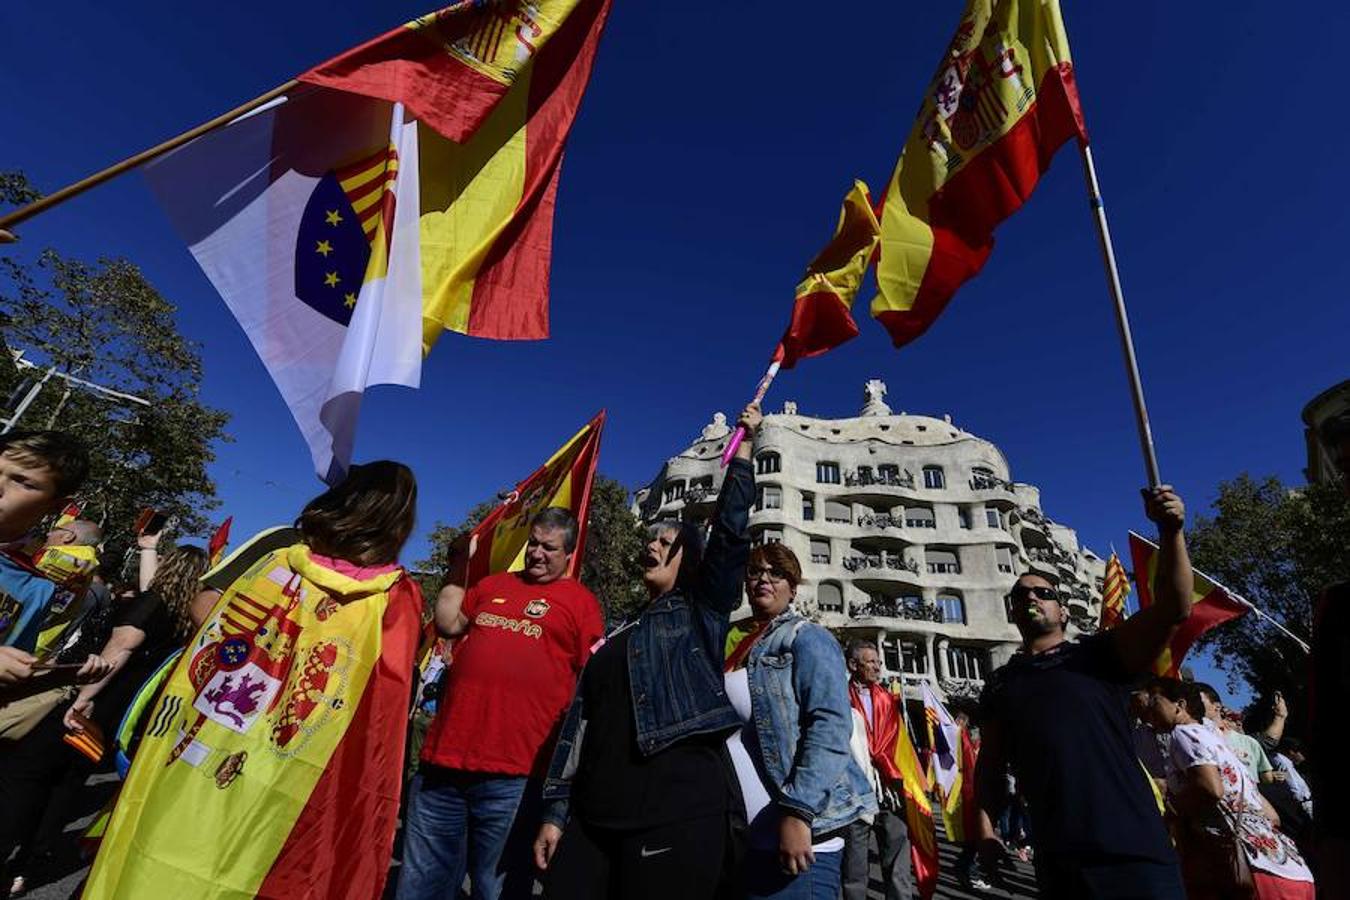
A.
pixel 1056 714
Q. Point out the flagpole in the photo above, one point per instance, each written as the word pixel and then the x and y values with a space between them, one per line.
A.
pixel 1271 619
pixel 739 434
pixel 1122 317
pixel 24 213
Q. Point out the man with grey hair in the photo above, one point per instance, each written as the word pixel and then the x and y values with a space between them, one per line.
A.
pixel 883 722
pixel 527 635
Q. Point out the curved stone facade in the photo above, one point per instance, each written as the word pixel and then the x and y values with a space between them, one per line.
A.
pixel 910 530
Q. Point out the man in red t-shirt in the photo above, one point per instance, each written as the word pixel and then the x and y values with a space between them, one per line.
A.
pixel 526 636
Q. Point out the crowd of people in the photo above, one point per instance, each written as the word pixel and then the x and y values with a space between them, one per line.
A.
pixel 676 755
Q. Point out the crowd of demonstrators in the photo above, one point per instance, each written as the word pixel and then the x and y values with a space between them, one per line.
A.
pixel 1227 833
pixel 1055 715
pixel 801 786
pixel 881 718
pixel 474 803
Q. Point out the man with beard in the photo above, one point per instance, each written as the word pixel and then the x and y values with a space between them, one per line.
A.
pixel 527 636
pixel 1056 714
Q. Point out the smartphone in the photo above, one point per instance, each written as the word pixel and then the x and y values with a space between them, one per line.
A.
pixel 150 521
pixel 54 667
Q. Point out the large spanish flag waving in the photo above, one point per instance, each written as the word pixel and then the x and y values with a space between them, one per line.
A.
pixel 918 814
pixel 565 481
pixel 1002 101
pixel 1213 604
pixel 272 761
pixel 498 85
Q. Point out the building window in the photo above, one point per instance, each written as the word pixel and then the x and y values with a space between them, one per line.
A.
pixel 913 658
pixel 1004 557
pixel 933 479
pixel 674 491
pixel 982 479
pixel 820 551
pixel 808 507
pixel 769 496
pixel 888 474
pixel 890 655
pixel 865 475
pixel 963 514
pixel 829 597
pixel 827 472
pixel 838 512
pixel 769 536
pixel 953 608
pixel 966 662
pixel 992 518
pixel 942 562
pixel 768 463
pixel 919 517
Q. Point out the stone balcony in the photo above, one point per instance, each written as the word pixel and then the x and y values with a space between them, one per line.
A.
pixel 884 561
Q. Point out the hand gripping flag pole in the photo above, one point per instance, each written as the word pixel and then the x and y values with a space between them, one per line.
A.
pixel 739 434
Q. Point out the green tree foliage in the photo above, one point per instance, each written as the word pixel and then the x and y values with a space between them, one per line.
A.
pixel 610 566
pixel 16 190
pixel 106 324
pixel 1278 548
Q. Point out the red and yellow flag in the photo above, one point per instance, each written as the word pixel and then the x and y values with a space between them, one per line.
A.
pixel 1213 604
pixel 1002 102
pixel 498 86
pixel 220 539
pixel 1115 588
pixel 565 481
pixel 271 765
pixel 960 813
pixel 918 814
pixel 822 317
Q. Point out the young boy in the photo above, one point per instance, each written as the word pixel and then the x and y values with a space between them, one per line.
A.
pixel 39 471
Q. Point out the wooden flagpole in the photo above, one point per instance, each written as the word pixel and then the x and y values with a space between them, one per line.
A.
pixel 1122 317
pixel 24 213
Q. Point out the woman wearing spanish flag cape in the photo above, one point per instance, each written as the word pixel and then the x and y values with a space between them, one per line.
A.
pixel 271 761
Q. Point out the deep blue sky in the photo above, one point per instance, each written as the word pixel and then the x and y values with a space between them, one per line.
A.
pixel 706 168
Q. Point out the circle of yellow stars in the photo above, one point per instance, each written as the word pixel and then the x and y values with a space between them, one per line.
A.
pixel 324 248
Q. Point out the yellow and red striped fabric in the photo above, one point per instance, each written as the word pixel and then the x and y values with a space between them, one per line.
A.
pixel 923 848
pixel 220 539
pixel 1212 605
pixel 564 481
pixel 960 813
pixel 1002 102
pixel 822 317
pixel 498 86
pixel 1115 588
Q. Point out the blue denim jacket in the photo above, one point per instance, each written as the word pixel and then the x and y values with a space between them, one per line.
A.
pixel 675 650
pixel 803 721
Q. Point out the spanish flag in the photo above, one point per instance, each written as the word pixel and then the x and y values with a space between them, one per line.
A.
pixel 565 480
pixel 1002 102
pixel 220 539
pixel 1115 588
pixel 923 848
pixel 960 813
pixel 1213 604
pixel 822 317
pixel 498 86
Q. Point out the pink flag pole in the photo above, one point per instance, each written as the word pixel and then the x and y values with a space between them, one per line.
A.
pixel 739 434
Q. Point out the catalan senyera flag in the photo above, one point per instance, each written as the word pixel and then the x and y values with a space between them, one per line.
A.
pixel 1002 102
pixel 565 480
pixel 1115 588
pixel 960 813
pixel 271 761
pixel 822 316
pixel 918 814
pixel 1212 604
pixel 220 539
pixel 400 189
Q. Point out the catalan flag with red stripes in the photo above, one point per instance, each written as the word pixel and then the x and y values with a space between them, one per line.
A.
pixel 1211 604
pixel 1115 588
pixel 1002 102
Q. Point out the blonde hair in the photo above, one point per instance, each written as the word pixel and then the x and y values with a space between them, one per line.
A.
pixel 176 584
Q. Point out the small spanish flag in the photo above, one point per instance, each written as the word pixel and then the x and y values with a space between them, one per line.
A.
pixel 1212 604
pixel 215 548
pixel 918 814
pixel 1115 588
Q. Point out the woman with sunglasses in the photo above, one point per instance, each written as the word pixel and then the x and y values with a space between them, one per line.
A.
pixel 800 783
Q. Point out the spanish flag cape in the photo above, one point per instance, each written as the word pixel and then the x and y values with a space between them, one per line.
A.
pixel 272 762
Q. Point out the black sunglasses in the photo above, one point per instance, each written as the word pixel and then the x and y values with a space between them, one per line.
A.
pixel 1023 591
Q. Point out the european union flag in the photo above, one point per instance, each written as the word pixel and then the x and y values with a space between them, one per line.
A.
pixel 331 252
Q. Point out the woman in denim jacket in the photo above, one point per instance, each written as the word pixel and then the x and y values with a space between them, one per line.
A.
pixel 801 784
pixel 639 792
